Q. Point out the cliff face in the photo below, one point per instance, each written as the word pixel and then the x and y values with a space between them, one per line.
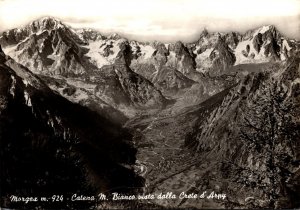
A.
pixel 254 133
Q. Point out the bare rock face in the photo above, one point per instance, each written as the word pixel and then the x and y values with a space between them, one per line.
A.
pixel 232 39
pixel 147 70
pixel 268 40
pixel 2 55
pixel 125 56
pixel 266 44
pixel 257 42
pixel 161 49
pixel 255 118
pixel 272 49
pixel 90 35
pixel 55 55
pixel 160 55
pixel 110 89
pixel 50 48
pixel 184 62
pixel 169 79
pixel 140 90
pixel 123 87
pixel 215 51
pixel 14 36
pixel 107 50
pixel 222 57
pixel 164 76
pixel 207 39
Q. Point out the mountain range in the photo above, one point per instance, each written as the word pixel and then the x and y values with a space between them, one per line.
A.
pixel 101 107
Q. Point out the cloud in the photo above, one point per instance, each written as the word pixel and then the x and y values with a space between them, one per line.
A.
pixel 158 19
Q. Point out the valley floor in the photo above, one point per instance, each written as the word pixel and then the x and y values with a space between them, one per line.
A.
pixel 167 164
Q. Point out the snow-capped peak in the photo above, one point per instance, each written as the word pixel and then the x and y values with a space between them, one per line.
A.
pixel 261 30
pixel 264 29
pixel 47 23
pixel 114 36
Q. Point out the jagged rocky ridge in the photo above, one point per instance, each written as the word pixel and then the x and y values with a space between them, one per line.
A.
pixel 50 145
pixel 49 47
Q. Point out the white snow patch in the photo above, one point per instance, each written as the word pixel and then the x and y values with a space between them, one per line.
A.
pixel 27 99
pixel 58 120
pixel 286 45
pixel 10 50
pixel 115 48
pixel 196 50
pixel 262 30
pixel 26 82
pixel 147 51
pixel 51 123
pixel 205 41
pixel 95 55
pixel 13 86
pixel 296 81
pixel 258 57
pixel 241 59
pixel 282 57
pixel 205 54
pixel 203 60
pixel 40 32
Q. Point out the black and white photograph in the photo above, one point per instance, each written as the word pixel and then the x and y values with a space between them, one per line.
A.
pixel 139 104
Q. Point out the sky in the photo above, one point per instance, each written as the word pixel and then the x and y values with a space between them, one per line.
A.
pixel 163 20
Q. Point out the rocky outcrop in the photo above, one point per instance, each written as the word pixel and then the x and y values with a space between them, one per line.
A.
pixel 264 44
pixel 268 40
pixel 257 42
pixel 109 89
pixel 232 39
pixel 222 57
pixel 14 36
pixel 51 48
pixel 163 75
pixel 140 91
pixel 184 62
pixel 168 79
pixel 125 55
pixel 215 51
pixel 160 55
pixel 89 35
pixel 272 49
pixel 2 55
